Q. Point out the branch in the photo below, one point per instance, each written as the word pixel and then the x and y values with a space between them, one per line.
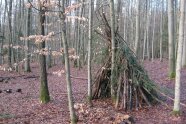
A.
pixel 78 77
pixel 184 105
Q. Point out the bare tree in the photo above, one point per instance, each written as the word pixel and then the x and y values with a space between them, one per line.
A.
pixel 10 32
pixel 90 51
pixel 3 31
pixel 153 34
pixel 161 30
pixel 27 54
pixel 73 117
pixel 171 38
pixel 184 48
pixel 176 108
pixel 113 48
pixel 44 93
pixel 137 37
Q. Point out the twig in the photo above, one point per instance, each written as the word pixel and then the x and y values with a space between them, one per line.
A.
pixel 78 78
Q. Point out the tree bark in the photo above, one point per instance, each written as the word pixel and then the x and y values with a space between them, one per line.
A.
pixel 184 46
pixel 153 34
pixel 176 108
pixel 171 38
pixel 90 51
pixel 10 32
pixel 137 37
pixel 113 95
pixel 44 93
pixel 73 117
pixel 27 54
pixel 161 31
pixel 3 32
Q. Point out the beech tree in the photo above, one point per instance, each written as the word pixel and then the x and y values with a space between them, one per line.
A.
pixel 113 49
pixel 44 93
pixel 176 108
pixel 161 30
pixel 27 54
pixel 90 51
pixel 171 38
pixel 3 32
pixel 137 37
pixel 9 32
pixel 73 118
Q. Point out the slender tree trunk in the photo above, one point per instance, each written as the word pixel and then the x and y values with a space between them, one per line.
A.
pixel 27 53
pixel 44 93
pixel 113 48
pixel 184 47
pixel 145 32
pixel 3 32
pixel 10 32
pixel 176 108
pixel 73 117
pixel 137 37
pixel 171 38
pixel 161 31
pixel 153 35
pixel 79 36
pixel 147 29
pixel 49 55
pixel 176 23
pixel 118 15
pixel 90 51
pixel 1 37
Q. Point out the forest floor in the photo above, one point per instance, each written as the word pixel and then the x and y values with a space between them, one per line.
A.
pixel 25 108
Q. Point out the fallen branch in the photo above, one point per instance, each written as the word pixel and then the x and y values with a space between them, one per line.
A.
pixel 33 76
pixel 184 105
pixel 78 78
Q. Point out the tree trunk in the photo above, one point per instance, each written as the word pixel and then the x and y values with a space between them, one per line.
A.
pixel 113 48
pixel 90 51
pixel 10 32
pixel 27 53
pixel 44 93
pixel 148 30
pixel 161 31
pixel 184 47
pixel 184 54
pixel 73 117
pixel 3 33
pixel 137 37
pixel 171 38
pixel 176 108
pixel 145 30
pixel 153 34
pixel 49 55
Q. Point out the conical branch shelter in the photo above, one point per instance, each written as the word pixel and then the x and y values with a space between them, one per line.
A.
pixel 133 87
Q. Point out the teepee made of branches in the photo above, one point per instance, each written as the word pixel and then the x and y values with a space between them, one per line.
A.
pixel 133 87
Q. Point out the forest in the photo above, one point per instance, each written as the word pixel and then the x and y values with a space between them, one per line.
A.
pixel 92 62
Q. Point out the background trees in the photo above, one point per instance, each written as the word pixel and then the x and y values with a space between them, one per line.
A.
pixel 148 26
pixel 153 37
